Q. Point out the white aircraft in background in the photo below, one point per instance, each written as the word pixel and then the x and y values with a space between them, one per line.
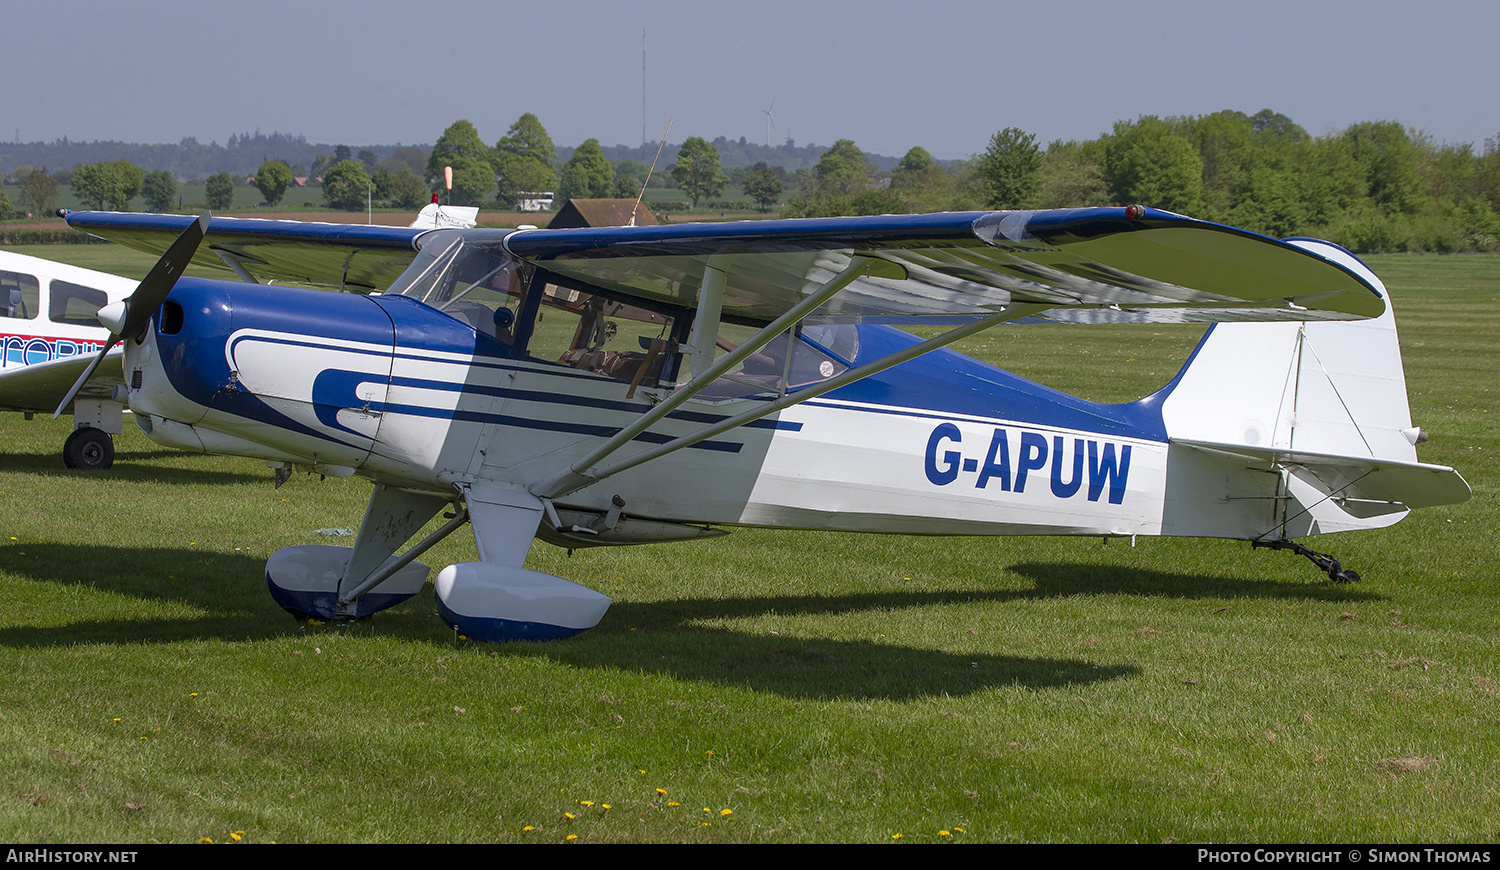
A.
pixel 48 327
pixel 48 324
pixel 627 385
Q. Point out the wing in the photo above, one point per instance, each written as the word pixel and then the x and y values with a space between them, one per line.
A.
pixel 348 256
pixel 41 386
pixel 1098 265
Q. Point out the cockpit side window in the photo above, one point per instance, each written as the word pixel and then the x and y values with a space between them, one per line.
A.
pixel 818 351
pixel 593 333
pixel 20 295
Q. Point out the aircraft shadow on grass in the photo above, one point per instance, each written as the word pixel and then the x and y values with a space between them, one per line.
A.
pixel 667 637
pixel 129 467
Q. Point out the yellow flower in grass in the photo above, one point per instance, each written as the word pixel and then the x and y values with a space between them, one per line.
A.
pixel 572 836
pixel 726 812
pixel 897 836
pixel 944 834
pixel 528 829
pixel 673 804
pixel 569 816
pixel 587 803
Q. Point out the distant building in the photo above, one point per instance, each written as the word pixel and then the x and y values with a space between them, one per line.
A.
pixel 601 213
pixel 538 201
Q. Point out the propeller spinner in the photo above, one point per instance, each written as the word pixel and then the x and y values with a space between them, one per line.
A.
pixel 128 317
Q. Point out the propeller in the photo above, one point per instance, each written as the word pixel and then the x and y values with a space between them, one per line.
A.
pixel 129 317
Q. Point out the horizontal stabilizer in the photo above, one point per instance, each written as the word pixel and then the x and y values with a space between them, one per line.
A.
pixel 1361 481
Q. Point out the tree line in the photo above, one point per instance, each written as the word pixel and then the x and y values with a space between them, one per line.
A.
pixel 1374 186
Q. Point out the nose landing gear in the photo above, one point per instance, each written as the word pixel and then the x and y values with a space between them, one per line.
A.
pixel 89 449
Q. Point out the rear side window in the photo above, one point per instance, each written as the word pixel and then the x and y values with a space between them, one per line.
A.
pixel 75 304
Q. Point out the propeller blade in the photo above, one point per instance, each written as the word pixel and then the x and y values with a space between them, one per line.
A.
pixel 148 296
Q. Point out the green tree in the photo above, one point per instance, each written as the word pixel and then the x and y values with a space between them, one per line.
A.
pixel 38 189
pixel 1226 144
pixel 588 173
pixel 697 170
pixel 843 169
pixel 320 165
pixel 219 191
pixel 1388 159
pixel 763 184
pixel 917 171
pixel 1147 162
pixel 160 190
pixel 1008 168
pixel 401 189
pixel 524 160
pixel 461 148
pixel 1071 175
pixel 6 212
pixel 346 186
pixel 114 183
pixel 272 179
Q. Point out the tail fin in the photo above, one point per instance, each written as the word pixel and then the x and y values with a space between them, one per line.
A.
pixel 1316 413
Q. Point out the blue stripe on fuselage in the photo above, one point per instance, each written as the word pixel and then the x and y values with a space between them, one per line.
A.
pixel 947 383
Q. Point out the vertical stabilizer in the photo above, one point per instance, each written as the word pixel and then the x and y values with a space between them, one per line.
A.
pixel 1280 430
pixel 1332 387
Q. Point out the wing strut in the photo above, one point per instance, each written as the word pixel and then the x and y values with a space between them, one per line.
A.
pixel 581 474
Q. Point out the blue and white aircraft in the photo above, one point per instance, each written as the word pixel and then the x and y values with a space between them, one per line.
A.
pixel 622 385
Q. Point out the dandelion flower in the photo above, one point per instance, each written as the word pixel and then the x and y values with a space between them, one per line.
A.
pixel 896 836
pixel 658 791
pixel 673 804
pixel 237 836
pixel 569 816
pixel 944 834
pixel 528 829
pixel 205 839
pixel 726 812
pixel 587 803
pixel 572 836
pixel 606 806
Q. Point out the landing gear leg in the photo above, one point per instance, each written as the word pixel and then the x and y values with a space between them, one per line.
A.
pixel 1326 563
pixel 89 449
pixel 342 583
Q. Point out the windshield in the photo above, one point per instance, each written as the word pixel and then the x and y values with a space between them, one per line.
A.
pixel 472 280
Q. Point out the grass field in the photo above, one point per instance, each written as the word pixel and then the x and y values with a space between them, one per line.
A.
pixel 768 686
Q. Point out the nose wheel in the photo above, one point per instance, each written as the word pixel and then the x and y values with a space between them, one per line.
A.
pixel 89 449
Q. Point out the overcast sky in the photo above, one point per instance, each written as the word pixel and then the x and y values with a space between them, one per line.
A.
pixel 889 75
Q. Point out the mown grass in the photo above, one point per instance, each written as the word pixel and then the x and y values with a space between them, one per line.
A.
pixel 821 687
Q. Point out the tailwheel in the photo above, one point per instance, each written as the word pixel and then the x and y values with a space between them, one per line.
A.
pixel 1326 563
pixel 89 449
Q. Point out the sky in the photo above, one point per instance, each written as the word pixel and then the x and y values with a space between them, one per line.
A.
pixel 889 75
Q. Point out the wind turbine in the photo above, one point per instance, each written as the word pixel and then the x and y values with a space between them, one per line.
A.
pixel 767 113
